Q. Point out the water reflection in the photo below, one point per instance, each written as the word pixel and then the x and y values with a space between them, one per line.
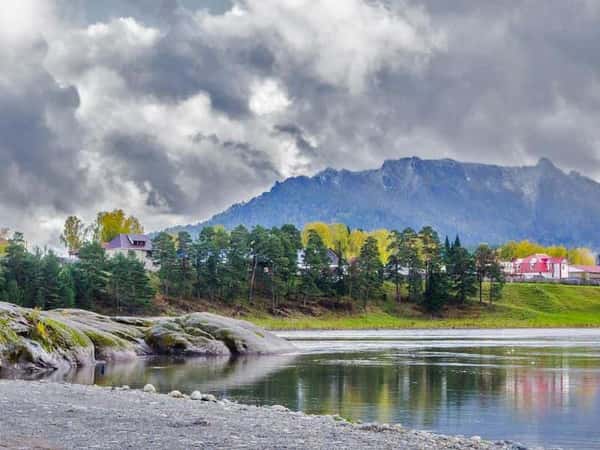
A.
pixel 537 390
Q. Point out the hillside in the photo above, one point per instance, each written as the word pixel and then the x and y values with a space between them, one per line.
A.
pixel 483 203
pixel 522 306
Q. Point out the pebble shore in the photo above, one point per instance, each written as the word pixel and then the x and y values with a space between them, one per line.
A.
pixel 46 415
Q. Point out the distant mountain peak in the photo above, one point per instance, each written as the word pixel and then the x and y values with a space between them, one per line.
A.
pixel 480 202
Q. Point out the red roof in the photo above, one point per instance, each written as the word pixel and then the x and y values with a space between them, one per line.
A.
pixel 538 263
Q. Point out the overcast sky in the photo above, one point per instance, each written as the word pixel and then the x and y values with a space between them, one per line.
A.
pixel 175 109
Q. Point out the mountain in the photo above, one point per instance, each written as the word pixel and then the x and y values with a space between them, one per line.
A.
pixel 482 203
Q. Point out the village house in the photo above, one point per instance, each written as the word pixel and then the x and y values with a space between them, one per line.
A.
pixel 139 245
pixel 537 266
pixel 584 273
pixel 334 259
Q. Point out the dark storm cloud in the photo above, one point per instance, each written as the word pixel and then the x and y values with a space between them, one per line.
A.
pixel 111 94
pixel 37 165
pixel 302 143
pixel 142 160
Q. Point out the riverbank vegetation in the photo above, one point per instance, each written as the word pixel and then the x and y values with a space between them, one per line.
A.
pixel 316 266
pixel 324 276
pixel 523 305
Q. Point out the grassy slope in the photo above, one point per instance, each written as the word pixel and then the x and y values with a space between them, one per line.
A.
pixel 523 305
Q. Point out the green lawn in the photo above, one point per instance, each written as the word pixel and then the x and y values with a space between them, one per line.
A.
pixel 522 305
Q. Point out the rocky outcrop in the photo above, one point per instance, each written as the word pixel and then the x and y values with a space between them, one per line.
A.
pixel 32 340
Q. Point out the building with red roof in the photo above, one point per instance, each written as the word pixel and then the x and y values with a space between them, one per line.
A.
pixel 539 265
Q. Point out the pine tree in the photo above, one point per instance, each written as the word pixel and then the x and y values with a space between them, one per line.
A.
pixel 313 276
pixel 436 293
pixel 49 289
pixel 462 275
pixel 66 287
pixel 91 275
pixel 237 262
pixel 370 270
pixel 164 255
pixel 184 270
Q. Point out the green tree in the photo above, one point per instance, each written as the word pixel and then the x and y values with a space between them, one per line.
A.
pixel 164 255
pixel 462 275
pixel 370 270
pixel 66 287
pixel 315 266
pixel 184 271
pixel 436 291
pixel 49 290
pixel 90 275
pixel 409 255
pixel 15 268
pixel 237 262
pixel 129 284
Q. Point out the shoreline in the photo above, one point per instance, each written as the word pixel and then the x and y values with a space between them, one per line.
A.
pixel 39 414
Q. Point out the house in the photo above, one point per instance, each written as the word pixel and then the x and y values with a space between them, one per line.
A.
pixel 334 259
pixel 584 273
pixel 539 266
pixel 138 244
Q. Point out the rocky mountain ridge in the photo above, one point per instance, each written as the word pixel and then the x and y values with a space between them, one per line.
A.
pixel 480 202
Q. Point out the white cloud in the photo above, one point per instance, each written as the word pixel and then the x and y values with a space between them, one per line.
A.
pixel 343 43
pixel 268 97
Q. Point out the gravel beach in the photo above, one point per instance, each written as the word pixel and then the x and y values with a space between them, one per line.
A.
pixel 51 415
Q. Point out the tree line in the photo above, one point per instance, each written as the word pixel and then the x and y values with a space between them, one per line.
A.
pixel 285 264
pixel 40 278
pixel 329 263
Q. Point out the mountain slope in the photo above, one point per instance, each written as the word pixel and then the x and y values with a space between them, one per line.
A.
pixel 483 203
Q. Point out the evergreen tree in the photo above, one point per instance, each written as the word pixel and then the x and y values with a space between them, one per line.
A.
pixel 66 287
pixel 497 281
pixel 370 270
pixel 129 283
pixel 184 270
pixel 315 266
pixel 462 275
pixel 49 290
pixel 237 262
pixel 15 269
pixel 164 255
pixel 409 254
pixel 258 245
pixel 91 275
pixel 291 241
pixel 436 292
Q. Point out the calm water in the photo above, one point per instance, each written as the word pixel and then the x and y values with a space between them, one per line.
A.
pixel 533 386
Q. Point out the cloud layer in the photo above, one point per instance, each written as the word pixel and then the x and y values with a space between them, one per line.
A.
pixel 175 111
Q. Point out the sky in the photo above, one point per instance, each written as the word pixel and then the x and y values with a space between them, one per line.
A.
pixel 174 109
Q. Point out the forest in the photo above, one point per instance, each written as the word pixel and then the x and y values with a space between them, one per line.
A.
pixel 327 264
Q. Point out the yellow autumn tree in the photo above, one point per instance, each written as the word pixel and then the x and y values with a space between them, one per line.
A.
pixel 109 224
pixel 340 238
pixel 355 242
pixel 322 229
pixel 581 256
pixel 382 236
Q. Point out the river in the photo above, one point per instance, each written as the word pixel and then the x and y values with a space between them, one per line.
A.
pixel 537 387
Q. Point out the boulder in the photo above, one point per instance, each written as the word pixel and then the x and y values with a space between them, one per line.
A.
pixel 33 340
